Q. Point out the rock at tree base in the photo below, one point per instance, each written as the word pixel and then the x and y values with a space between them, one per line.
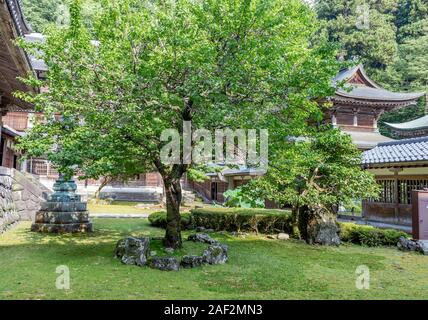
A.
pixel 63 212
pixel 132 250
pixel 321 227
pixel 215 254
pixel 327 234
pixel 202 237
pixel 165 263
pixel 192 261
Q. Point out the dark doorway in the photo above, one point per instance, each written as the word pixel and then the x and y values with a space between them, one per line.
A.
pixel 214 191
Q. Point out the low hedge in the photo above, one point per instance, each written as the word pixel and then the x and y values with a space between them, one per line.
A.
pixel 158 219
pixel 273 221
pixel 368 235
pixel 243 219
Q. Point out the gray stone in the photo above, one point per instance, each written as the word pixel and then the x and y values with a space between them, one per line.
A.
pixel 283 236
pixel 153 253
pixel 192 261
pixel 133 250
pixel 169 250
pixel 215 254
pixel 202 237
pixel 424 246
pixel 327 234
pixel 63 206
pixel 62 228
pixel 61 217
pixel 409 245
pixel 165 263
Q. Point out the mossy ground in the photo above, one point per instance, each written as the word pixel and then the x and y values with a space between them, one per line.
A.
pixel 258 268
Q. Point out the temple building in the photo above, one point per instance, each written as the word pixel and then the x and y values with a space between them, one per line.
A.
pixel 410 129
pixel 359 103
pixel 399 166
pixel 14 63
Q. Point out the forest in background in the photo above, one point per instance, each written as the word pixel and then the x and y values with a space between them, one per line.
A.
pixel 390 37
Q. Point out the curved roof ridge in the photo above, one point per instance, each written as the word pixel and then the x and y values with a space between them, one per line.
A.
pixel 403 141
pixel 418 123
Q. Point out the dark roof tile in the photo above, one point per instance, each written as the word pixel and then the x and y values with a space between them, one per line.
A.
pixel 407 150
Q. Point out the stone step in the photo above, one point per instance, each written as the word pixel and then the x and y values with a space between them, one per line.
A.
pixel 63 206
pixel 62 228
pixel 62 217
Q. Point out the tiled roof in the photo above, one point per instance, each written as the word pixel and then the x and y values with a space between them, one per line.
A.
pixel 419 123
pixel 372 91
pixel 367 93
pixel 17 17
pixel 399 151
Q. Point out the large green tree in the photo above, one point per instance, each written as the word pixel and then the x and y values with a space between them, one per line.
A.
pixel 42 13
pixel 154 64
pixel 314 175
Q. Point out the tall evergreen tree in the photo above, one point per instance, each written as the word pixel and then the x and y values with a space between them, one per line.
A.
pixel 364 29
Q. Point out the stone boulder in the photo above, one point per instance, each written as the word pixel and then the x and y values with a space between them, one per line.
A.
pixel 165 263
pixel 411 245
pixel 283 236
pixel 327 234
pixel 192 261
pixel 202 237
pixel 215 254
pixel 132 250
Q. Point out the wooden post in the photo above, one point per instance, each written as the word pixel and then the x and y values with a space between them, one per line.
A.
pixel 355 119
pixel 396 193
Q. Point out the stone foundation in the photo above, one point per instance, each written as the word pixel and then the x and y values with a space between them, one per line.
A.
pixel 20 197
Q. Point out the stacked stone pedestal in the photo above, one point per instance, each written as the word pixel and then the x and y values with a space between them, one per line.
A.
pixel 63 212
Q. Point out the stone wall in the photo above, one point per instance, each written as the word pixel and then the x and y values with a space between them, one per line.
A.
pixel 20 197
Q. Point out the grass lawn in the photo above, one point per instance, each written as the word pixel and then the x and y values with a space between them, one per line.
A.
pixel 119 207
pixel 128 207
pixel 258 268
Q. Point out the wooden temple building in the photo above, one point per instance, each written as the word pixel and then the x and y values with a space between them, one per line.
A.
pixel 400 166
pixel 358 105
pixel 14 63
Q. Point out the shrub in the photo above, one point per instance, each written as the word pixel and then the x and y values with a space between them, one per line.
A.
pixel 158 219
pixel 369 236
pixel 236 198
pixel 240 219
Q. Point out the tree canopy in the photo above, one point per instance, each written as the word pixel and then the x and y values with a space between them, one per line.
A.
pixel 143 67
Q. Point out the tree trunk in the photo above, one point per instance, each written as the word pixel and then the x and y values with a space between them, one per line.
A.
pixel 318 225
pixel 105 181
pixel 173 200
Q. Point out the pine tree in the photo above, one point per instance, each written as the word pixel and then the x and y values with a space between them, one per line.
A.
pixel 365 31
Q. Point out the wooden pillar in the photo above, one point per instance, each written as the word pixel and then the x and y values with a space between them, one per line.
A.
pixel 3 111
pixel 376 116
pixel 355 120
pixel 396 193
pixel 334 119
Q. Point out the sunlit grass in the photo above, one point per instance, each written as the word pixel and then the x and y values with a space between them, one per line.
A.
pixel 259 268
